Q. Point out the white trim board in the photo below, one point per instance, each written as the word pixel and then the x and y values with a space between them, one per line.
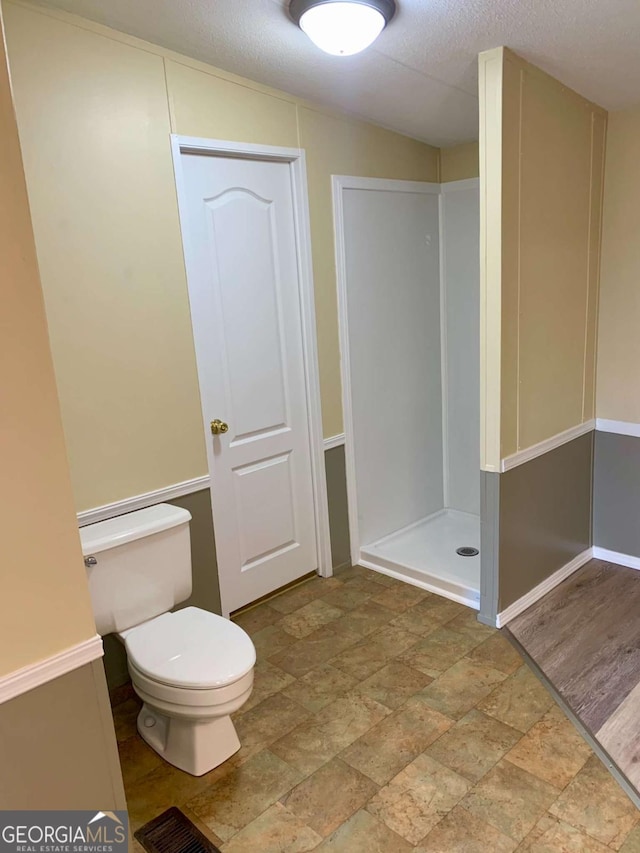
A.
pixel 545 446
pixel 490 90
pixel 338 183
pixel 618 427
pixel 167 493
pixel 32 676
pixel 334 441
pixel 543 588
pixel 626 560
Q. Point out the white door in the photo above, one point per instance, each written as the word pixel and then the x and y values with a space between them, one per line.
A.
pixel 243 267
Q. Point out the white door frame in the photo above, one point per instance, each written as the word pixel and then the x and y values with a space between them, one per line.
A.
pixel 339 184
pixel 297 168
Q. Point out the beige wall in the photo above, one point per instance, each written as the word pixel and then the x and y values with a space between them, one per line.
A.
pixel 336 146
pixel 459 162
pixel 95 109
pixel 618 395
pixel 44 603
pixel 542 159
pixel 58 746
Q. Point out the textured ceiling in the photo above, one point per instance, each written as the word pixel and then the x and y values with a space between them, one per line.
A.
pixel 420 77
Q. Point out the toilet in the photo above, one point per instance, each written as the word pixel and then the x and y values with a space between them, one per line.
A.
pixel 191 668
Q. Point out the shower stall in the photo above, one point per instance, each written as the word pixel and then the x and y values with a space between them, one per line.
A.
pixel 409 304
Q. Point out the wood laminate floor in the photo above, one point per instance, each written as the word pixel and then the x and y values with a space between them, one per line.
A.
pixel 585 637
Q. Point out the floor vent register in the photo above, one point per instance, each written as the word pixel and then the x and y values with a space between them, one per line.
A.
pixel 173 832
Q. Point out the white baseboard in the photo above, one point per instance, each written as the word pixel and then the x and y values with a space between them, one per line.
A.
pixel 19 682
pixel 618 427
pixel 616 557
pixel 543 588
pixel 545 446
pixel 334 441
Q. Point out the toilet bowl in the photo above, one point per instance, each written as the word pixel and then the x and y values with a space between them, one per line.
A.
pixel 191 668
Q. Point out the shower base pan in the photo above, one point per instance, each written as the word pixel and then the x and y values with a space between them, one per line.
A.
pixel 425 554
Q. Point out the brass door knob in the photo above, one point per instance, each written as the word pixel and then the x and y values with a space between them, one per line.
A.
pixel 218 427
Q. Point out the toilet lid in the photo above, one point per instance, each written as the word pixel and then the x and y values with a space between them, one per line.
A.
pixel 191 648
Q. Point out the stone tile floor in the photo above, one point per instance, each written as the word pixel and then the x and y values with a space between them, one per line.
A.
pixel 385 719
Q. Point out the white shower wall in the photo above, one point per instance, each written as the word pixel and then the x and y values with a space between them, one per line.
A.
pixel 460 234
pixel 408 272
pixel 391 255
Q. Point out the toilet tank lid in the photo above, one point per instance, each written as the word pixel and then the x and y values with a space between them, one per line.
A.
pixel 134 525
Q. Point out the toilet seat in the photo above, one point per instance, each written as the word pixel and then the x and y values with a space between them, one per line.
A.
pixel 193 703
pixel 191 650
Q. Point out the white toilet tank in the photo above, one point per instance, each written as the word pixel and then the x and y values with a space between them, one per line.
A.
pixel 142 565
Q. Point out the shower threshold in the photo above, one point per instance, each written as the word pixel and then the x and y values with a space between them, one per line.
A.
pixel 424 554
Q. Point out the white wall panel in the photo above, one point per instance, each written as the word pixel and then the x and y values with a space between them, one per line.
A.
pixel 393 301
pixel 461 344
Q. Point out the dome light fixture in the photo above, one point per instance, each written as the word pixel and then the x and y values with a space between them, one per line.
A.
pixel 342 27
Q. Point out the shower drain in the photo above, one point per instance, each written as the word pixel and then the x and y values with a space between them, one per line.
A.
pixel 467 551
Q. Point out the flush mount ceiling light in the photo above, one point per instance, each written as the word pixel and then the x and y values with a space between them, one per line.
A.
pixel 342 27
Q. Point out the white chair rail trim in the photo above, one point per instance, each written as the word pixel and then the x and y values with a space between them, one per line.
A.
pixel 34 675
pixel 334 441
pixel 178 490
pixel 545 446
pixel 168 493
pixel 618 427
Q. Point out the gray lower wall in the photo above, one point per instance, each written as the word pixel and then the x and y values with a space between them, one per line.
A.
pixel 58 746
pixel 489 546
pixel 206 593
pixel 204 564
pixel 544 517
pixel 616 501
pixel 338 508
